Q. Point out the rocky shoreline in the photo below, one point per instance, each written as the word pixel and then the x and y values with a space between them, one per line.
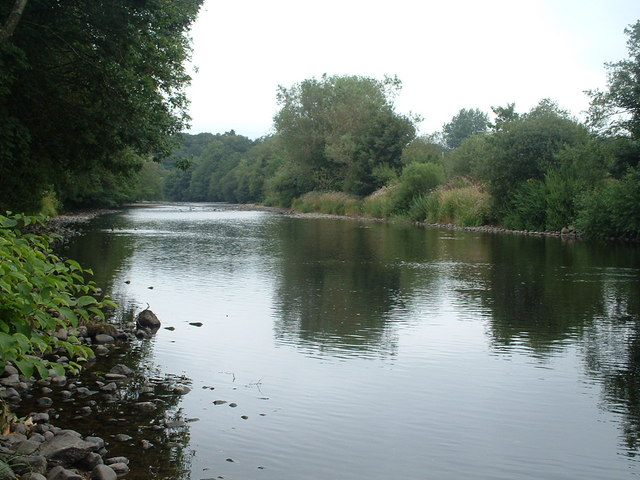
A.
pixel 33 448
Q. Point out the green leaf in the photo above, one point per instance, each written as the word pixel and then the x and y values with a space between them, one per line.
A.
pixel 69 315
pixel 86 300
pixel 25 366
pixel 42 370
pixel 59 369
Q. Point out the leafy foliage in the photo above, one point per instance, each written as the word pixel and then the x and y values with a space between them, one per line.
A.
pixel 340 128
pixel 39 294
pixel 465 123
pixel 84 83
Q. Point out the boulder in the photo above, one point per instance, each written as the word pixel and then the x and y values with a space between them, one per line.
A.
pixel 61 473
pixel 103 472
pixel 66 448
pixel 121 369
pixel 148 320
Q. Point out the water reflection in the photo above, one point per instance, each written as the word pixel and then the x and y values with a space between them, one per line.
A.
pixel 453 325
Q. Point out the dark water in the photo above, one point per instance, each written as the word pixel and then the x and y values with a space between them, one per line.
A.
pixel 371 351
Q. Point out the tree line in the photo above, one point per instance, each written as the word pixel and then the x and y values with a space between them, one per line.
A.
pixel 340 147
pixel 92 106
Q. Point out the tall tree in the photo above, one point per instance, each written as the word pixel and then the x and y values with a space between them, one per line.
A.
pixel 340 128
pixel 464 124
pixel 85 83
pixel 617 110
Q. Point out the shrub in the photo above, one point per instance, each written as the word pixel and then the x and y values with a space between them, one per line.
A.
pixel 416 179
pixel 40 293
pixel 527 207
pixel 612 209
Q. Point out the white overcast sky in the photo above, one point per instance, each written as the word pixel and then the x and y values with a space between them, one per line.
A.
pixel 449 54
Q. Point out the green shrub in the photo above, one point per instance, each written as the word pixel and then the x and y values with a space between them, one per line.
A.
pixel 416 179
pixel 527 207
pixel 39 294
pixel 612 209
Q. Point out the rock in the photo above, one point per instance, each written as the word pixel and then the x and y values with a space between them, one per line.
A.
pixel 44 402
pixel 103 338
pixel 120 468
pixel 5 472
pixel 109 387
pixel 175 423
pixel 40 418
pixel 30 463
pixel 101 350
pixel 10 369
pixel 146 444
pixel 12 395
pixel 10 381
pixel 171 329
pixel 233 404
pixel 148 320
pixel 61 473
pixel 33 476
pixel 66 448
pixel 91 461
pixel 112 460
pixel 141 334
pixel 59 380
pixel 13 438
pixel 97 440
pixel 122 437
pixel 181 390
pixel 121 369
pixel 219 402
pixel 26 447
pixel 146 406
pixel 196 324
pixel 61 334
pixel 103 472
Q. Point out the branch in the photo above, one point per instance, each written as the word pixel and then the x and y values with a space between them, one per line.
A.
pixel 12 21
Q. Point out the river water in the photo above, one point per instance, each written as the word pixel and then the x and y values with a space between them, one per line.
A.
pixel 359 350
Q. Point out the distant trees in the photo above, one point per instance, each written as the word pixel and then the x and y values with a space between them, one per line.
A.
pixel 465 123
pixel 88 85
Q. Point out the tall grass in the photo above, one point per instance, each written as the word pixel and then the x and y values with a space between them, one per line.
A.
pixel 332 203
pixel 467 205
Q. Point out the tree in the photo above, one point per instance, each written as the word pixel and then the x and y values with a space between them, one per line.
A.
pixel 617 110
pixel 83 82
pixel 527 147
pixel 338 129
pixel 464 124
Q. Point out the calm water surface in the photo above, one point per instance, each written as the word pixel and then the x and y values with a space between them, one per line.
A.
pixel 358 350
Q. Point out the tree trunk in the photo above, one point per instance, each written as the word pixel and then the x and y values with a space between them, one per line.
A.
pixel 12 21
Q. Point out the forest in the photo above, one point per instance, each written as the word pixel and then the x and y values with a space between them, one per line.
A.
pixel 93 114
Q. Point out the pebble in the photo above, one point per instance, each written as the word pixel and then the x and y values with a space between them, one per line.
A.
pixel 122 437
pixel 219 402
pixel 196 324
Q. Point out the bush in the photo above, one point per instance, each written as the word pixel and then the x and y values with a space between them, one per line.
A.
pixel 39 294
pixel 612 209
pixel 527 207
pixel 416 179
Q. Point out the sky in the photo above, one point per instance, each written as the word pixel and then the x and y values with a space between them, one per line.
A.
pixel 449 54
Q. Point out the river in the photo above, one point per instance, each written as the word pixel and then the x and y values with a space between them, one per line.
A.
pixel 359 350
